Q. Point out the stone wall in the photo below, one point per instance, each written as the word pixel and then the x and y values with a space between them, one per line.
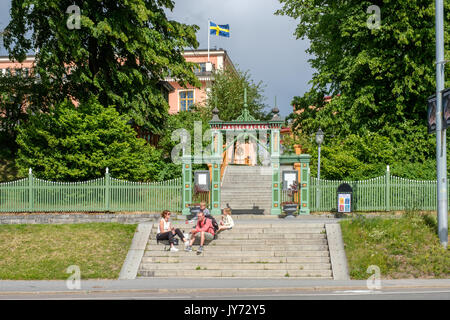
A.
pixel 77 218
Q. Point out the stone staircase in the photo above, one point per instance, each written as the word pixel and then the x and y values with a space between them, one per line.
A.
pixel 266 249
pixel 247 189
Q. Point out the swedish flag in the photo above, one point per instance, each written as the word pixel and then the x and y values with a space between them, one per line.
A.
pixel 219 30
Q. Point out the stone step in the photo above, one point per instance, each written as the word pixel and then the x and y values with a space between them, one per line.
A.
pixel 232 259
pixel 247 248
pixel 268 236
pixel 250 201
pixel 248 230
pixel 258 225
pixel 241 228
pixel 207 265
pixel 221 253
pixel 254 171
pixel 243 195
pixel 222 242
pixel 238 273
pixel 244 187
pixel 243 181
pixel 235 204
pixel 256 236
pixel 277 230
pixel 258 174
pixel 239 201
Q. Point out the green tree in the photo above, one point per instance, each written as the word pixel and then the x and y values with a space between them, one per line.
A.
pixel 120 53
pixel 379 78
pixel 71 143
pixel 227 91
pixel 183 120
pixel 13 93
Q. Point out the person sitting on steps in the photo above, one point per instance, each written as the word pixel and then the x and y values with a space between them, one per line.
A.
pixel 204 229
pixel 204 208
pixel 167 232
pixel 227 222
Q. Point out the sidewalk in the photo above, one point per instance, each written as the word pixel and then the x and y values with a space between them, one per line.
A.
pixel 165 285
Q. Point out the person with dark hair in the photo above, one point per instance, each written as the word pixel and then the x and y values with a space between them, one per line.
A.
pixel 167 232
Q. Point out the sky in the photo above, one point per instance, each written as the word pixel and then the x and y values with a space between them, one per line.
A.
pixel 260 42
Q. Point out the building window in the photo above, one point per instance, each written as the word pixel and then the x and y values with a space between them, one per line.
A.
pixel 186 100
pixel 201 67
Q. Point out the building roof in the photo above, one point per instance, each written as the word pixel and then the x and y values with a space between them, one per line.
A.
pixel 204 52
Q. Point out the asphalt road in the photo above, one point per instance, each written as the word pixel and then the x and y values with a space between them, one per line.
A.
pixel 388 294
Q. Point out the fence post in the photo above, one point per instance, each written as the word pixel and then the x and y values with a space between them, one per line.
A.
pixel 107 189
pixel 30 190
pixel 388 189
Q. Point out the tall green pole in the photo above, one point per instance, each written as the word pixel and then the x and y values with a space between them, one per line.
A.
pixel 30 190
pixel 441 143
pixel 107 189
pixel 216 159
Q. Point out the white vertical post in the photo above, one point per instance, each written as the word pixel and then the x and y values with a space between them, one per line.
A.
pixel 441 143
pixel 209 23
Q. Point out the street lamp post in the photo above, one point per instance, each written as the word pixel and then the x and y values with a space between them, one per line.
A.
pixel 319 140
pixel 441 143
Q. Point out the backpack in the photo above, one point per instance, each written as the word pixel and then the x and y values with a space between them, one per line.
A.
pixel 213 221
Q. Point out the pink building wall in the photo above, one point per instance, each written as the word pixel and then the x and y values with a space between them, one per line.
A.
pixel 5 64
pixel 219 59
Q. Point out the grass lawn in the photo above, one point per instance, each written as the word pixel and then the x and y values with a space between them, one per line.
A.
pixel 46 251
pixel 405 247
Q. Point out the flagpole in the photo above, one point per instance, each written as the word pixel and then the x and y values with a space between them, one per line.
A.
pixel 209 23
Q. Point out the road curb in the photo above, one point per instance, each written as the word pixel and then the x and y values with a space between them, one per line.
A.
pixel 227 290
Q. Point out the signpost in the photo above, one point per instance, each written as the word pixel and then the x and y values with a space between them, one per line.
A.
pixel 441 134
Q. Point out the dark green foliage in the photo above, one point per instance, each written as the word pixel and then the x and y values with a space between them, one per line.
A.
pixel 13 92
pixel 77 143
pixel 182 120
pixel 227 92
pixel 379 79
pixel 119 55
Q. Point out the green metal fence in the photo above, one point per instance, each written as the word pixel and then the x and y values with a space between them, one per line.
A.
pixel 383 193
pixel 103 194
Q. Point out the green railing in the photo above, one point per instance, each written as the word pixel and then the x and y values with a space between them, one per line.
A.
pixel 103 194
pixel 385 193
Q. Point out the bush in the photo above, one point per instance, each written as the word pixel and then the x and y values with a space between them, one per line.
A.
pixel 77 143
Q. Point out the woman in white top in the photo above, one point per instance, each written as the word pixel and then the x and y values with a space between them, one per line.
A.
pixel 167 232
pixel 227 222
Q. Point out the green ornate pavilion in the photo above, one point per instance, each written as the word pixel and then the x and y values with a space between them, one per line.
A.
pixel 245 127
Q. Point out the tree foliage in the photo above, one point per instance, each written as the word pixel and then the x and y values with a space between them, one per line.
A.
pixel 119 55
pixel 71 143
pixel 184 120
pixel 13 94
pixel 379 80
pixel 227 93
